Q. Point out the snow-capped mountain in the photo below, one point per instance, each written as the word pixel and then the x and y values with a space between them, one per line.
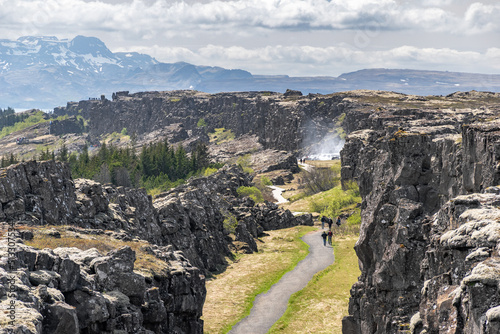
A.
pixel 87 54
pixel 45 72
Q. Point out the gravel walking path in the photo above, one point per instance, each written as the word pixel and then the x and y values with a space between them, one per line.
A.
pixel 269 307
pixel 277 194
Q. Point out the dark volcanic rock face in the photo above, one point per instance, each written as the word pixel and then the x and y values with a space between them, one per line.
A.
pixel 427 257
pixel 192 217
pixel 43 193
pixel 280 122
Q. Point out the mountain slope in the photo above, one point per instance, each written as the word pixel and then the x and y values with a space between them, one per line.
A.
pixel 44 72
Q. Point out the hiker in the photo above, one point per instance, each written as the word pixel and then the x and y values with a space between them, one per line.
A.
pixel 330 223
pixel 338 221
pixel 324 235
pixel 330 234
pixel 323 219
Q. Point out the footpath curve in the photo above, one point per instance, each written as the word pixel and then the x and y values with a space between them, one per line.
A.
pixel 277 194
pixel 270 306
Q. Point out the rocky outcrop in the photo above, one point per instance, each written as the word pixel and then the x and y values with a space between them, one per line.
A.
pixel 280 121
pixel 427 257
pixel 190 217
pixel 461 266
pixel 42 193
pixel 67 290
pixel 70 125
pixel 196 218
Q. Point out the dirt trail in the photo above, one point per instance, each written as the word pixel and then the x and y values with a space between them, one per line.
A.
pixel 269 307
pixel 277 194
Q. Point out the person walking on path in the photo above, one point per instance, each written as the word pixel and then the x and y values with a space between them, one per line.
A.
pixel 338 221
pixel 324 235
pixel 330 234
pixel 323 219
pixel 330 223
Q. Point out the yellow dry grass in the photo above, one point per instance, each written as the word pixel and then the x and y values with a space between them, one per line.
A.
pixel 323 163
pixel 146 263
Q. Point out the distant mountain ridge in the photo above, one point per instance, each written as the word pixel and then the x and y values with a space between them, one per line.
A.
pixel 45 72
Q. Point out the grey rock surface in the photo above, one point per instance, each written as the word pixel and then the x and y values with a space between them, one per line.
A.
pixel 428 245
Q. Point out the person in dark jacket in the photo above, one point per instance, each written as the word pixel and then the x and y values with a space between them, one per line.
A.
pixel 324 235
pixel 330 223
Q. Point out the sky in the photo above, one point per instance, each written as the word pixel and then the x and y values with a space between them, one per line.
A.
pixel 278 37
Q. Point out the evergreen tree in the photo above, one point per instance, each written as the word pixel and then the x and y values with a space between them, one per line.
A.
pixel 12 159
pixel 84 156
pixel 63 154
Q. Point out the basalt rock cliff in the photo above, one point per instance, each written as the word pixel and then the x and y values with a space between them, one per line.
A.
pixel 429 242
pixel 176 240
pixel 280 121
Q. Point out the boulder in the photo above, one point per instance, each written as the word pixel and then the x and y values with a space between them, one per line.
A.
pixel 60 318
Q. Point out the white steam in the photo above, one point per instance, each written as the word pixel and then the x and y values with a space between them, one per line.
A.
pixel 327 148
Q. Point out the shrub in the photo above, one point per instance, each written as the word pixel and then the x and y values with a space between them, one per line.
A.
pixel 320 179
pixel 221 135
pixel 337 201
pixel 264 181
pixel 201 123
pixel 245 162
pixel 209 171
pixel 252 192
pixel 355 218
pixel 230 223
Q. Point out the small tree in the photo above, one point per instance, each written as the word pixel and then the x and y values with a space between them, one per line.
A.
pixel 201 123
pixel 45 155
pixel 13 159
pixel 63 154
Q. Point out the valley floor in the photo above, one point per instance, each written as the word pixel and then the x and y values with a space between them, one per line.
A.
pixel 270 306
pixel 318 308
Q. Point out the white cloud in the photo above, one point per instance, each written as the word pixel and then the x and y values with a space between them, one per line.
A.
pixel 242 33
pixel 481 18
pixel 149 20
pixel 330 61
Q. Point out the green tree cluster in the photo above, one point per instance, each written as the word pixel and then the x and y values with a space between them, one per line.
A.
pixel 7 161
pixel 8 117
pixel 6 112
pixel 159 165
pixel 17 122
